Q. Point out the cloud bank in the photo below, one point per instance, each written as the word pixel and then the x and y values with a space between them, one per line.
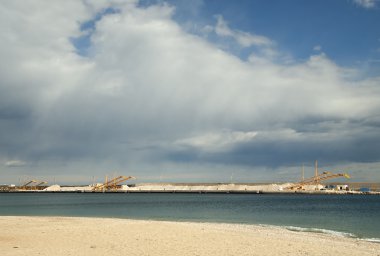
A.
pixel 144 95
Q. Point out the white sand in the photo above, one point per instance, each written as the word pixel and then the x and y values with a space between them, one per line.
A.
pixel 98 236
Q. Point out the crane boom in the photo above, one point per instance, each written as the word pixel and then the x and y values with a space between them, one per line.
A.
pixel 28 183
pixel 112 183
pixel 32 184
pixel 316 179
pixel 41 183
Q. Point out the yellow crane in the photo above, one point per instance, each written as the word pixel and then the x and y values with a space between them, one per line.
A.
pixel 25 185
pixel 37 186
pixel 317 178
pixel 29 184
pixel 112 184
pixel 41 183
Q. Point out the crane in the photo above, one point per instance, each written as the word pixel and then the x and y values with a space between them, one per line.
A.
pixel 317 178
pixel 24 186
pixel 36 184
pixel 39 184
pixel 112 184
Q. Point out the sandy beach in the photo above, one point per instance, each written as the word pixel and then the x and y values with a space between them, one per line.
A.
pixel 105 236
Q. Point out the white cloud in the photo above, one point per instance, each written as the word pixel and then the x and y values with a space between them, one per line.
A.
pixel 148 83
pixel 217 141
pixel 243 38
pixel 317 48
pixel 15 163
pixel 208 29
pixel 366 3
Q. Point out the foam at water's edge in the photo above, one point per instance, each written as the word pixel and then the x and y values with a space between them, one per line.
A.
pixel 320 230
pixel 372 240
pixel 331 232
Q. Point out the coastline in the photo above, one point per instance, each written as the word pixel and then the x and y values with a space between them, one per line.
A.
pixel 108 236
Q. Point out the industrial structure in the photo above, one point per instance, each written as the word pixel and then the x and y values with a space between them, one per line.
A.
pixel 111 185
pixel 33 185
pixel 114 185
pixel 316 179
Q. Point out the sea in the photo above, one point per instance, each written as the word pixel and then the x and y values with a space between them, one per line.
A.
pixel 356 216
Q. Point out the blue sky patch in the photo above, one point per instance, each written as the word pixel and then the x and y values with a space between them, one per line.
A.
pixel 83 42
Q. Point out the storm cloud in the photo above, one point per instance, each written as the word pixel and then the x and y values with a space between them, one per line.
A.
pixel 87 88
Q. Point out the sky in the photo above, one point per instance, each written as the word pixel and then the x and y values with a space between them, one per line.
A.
pixel 189 91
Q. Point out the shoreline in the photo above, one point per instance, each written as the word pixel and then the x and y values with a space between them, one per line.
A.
pixel 320 192
pixel 24 235
pixel 202 188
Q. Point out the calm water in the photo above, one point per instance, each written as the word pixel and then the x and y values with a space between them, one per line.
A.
pixel 356 215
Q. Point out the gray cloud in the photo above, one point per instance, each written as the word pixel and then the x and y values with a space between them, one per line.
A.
pixel 152 98
pixel 288 147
